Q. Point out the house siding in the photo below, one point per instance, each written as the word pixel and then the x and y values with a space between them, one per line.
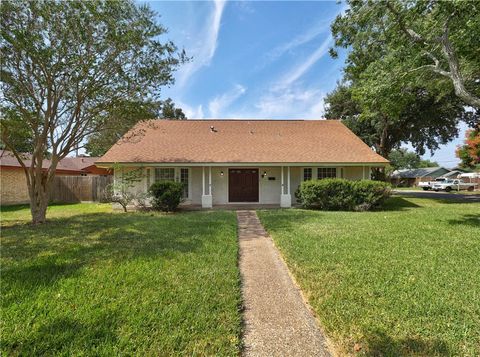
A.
pixel 269 190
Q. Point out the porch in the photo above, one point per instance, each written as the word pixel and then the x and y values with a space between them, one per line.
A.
pixel 243 186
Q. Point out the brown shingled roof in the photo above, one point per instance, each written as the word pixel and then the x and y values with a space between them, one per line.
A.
pixel 71 164
pixel 241 141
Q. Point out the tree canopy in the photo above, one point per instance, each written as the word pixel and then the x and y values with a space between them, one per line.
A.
pixel 426 41
pixel 124 116
pixel 65 66
pixel 391 92
pixel 405 159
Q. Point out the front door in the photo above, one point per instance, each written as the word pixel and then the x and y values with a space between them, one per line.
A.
pixel 243 185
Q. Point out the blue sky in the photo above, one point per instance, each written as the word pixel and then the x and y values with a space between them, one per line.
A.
pixel 257 60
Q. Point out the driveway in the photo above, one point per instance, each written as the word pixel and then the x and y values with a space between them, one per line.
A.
pixel 439 195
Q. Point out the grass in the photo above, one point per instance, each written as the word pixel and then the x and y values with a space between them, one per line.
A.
pixel 402 281
pixel 93 282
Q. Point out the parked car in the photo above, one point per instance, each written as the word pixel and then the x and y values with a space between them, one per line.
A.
pixel 449 185
pixel 428 185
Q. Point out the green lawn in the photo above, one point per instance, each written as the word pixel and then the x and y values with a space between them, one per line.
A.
pixel 93 282
pixel 403 281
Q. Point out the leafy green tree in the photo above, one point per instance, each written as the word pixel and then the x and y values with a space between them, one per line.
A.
pixel 124 116
pixel 65 65
pixel 384 121
pixel 428 42
pixel 428 163
pixel 169 111
pixel 403 159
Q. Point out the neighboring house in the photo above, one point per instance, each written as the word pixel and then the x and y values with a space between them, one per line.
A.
pixel 238 161
pixel 14 183
pixel 411 177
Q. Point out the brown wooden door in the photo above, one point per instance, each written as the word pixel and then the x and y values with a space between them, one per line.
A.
pixel 243 185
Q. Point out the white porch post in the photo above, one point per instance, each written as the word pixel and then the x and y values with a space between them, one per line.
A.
pixel 288 179
pixel 363 172
pixel 283 191
pixel 286 198
pixel 210 180
pixel 207 199
pixel 203 180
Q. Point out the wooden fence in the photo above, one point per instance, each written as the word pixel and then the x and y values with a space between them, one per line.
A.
pixel 69 189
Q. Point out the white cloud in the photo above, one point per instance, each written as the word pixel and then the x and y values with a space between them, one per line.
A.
pixel 294 103
pixel 191 112
pixel 302 39
pixel 206 46
pixel 217 105
pixel 300 69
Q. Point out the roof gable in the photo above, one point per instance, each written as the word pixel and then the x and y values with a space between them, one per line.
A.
pixel 241 141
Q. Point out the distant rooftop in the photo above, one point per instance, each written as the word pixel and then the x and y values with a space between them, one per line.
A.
pixel 421 172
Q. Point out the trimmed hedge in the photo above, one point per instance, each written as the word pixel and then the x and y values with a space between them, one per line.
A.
pixel 342 195
pixel 166 196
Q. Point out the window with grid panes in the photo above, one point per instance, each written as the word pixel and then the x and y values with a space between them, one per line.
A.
pixel 326 172
pixel 164 174
pixel 307 173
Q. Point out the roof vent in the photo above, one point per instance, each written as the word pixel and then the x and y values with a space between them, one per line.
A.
pixel 212 129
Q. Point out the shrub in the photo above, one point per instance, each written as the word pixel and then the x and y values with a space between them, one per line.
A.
pixel 166 196
pixel 340 194
pixel 370 194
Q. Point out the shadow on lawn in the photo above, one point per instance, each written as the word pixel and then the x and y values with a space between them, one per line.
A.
pixel 396 203
pixel 63 334
pixel 381 344
pixel 61 248
pixel 467 219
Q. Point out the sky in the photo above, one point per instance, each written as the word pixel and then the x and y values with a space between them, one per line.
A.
pixel 258 60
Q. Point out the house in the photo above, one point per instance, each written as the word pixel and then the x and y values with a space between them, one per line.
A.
pixel 14 183
pixel 411 177
pixel 240 161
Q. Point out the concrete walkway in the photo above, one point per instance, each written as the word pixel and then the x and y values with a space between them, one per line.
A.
pixel 277 321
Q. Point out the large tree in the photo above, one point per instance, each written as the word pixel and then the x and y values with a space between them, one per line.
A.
pixel 424 40
pixel 404 159
pixel 124 116
pixel 386 119
pixel 65 65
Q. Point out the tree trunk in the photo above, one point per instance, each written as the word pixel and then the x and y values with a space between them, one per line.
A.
pixel 38 190
pixel 38 208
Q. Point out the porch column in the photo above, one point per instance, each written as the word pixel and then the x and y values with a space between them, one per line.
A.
pixel 285 197
pixel 207 198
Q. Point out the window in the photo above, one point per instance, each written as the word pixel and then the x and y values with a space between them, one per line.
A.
pixel 326 172
pixel 307 173
pixel 164 174
pixel 147 173
pixel 184 181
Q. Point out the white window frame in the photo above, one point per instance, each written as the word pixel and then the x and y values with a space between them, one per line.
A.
pixel 302 173
pixel 326 168
pixel 177 177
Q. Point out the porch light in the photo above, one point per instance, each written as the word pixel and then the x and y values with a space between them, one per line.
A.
pixel 264 174
pixel 221 173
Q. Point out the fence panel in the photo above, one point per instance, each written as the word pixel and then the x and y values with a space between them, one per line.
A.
pixel 70 189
